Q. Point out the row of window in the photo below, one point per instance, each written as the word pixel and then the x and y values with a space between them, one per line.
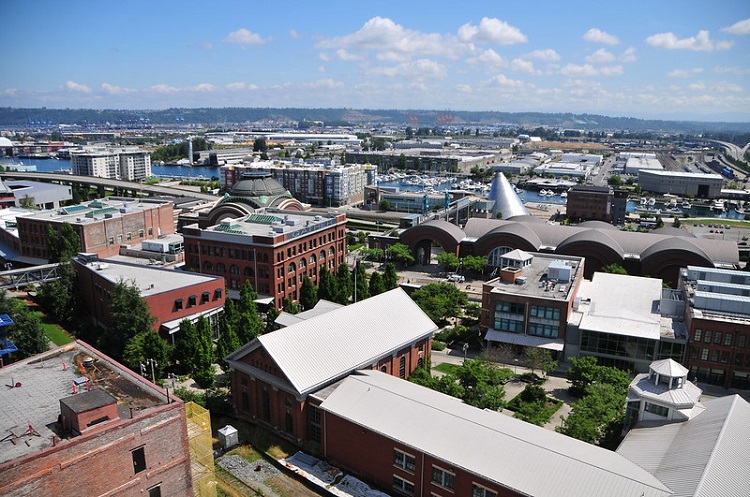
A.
pixel 719 338
pixel 193 299
pixel 719 356
pixel 440 477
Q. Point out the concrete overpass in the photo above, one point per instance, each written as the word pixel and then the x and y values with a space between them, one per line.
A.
pixel 104 183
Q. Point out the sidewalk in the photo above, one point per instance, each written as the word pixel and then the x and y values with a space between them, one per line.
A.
pixel 555 386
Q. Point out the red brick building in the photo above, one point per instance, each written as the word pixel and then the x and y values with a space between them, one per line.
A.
pixel 171 295
pixel 272 249
pixel 103 225
pixel 280 378
pixel 717 314
pixel 78 423
pixel 410 440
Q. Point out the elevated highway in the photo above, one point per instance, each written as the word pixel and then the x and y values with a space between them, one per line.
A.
pixel 104 183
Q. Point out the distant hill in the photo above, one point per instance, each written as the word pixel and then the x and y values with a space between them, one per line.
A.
pixel 282 117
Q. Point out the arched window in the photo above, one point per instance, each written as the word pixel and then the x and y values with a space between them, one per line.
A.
pixel 292 268
pixel 249 271
pixel 312 260
pixel 332 252
pixel 302 263
pixel 494 258
pixel 234 269
pixel 322 255
pixel 220 267
pixel 207 266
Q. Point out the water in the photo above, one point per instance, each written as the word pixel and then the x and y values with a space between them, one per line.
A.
pixel 52 165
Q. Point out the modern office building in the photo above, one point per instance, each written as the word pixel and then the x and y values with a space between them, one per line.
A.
pixel 279 379
pixel 75 422
pixel 529 303
pixel 35 194
pixel 717 313
pixel 273 249
pixel 103 225
pixel 124 163
pixel 426 159
pixel 171 295
pixel 697 185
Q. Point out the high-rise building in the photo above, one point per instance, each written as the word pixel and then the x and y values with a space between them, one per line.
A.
pixel 124 163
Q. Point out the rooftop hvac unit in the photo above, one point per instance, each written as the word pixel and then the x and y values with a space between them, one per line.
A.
pixel 228 437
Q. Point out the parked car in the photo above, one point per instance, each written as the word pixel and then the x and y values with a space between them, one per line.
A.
pixel 457 278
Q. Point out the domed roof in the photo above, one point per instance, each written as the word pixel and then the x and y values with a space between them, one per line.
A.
pixel 4 142
pixel 256 184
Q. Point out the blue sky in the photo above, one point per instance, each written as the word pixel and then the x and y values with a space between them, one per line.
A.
pixel 664 59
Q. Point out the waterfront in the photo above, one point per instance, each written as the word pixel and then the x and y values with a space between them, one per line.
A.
pixel 54 165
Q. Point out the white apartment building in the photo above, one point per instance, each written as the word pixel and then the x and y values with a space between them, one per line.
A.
pixel 124 163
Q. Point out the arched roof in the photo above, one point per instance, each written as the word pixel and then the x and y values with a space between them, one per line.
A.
pixel 598 225
pixel 672 244
pixel 257 183
pixel 590 240
pixel 524 236
pixel 4 142
pixel 446 234
pixel 672 231
pixel 592 237
pixel 525 218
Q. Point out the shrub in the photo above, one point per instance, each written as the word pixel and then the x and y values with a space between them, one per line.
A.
pixel 438 345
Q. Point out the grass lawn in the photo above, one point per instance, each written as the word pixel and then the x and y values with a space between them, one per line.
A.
pixel 447 368
pixel 53 332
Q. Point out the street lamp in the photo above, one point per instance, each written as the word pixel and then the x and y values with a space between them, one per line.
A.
pixel 465 347
pixel 153 364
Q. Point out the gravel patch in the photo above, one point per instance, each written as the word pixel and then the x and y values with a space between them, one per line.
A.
pixel 251 473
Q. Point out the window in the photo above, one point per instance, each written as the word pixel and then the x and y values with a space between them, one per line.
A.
pixel 717 337
pixel 402 367
pixel 443 478
pixel 178 304
pixel 217 293
pixel 192 300
pixel 119 238
pixel 315 431
pixel 403 486
pixel 656 409
pixel 479 491
pixel 698 334
pixel 404 461
pixel 728 339
pixel 111 240
pixel 234 269
pixel 204 297
pixel 707 337
pixel 220 267
pixel 154 491
pixel 207 266
pixel 741 341
pixel 151 232
pixel 704 354
pixel 714 355
pixel 725 357
pixel 129 235
pixel 139 460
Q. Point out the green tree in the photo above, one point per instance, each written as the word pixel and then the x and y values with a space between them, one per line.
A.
pixel 308 294
pixel 228 342
pixel 326 285
pixel 390 276
pixel 130 315
pixel 344 285
pixel 144 346
pixel 290 306
pixel 271 316
pixel 474 263
pixel 60 297
pixel 440 301
pixel 538 358
pixel 249 324
pixel 260 145
pixel 586 371
pixel 448 260
pixel 373 254
pixel 385 205
pixel 376 285
pixel 362 291
pixel 614 268
pixel 62 245
pixel 592 417
pixel 614 180
pixel 186 343
pixel 400 252
pixel 202 367
pixel 482 384
pixel 26 332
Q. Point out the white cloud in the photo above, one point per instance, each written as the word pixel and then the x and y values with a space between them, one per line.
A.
pixel 239 86
pixel 504 81
pixel 9 92
pixel 601 56
pixel 596 35
pixel 576 70
pixel 114 90
pixel 739 28
pixel 524 66
pixel 611 70
pixel 245 37
pixel 328 84
pixel 383 35
pixel 732 70
pixel 628 56
pixel 417 70
pixel 699 86
pixel 203 87
pixel 294 34
pixel 491 30
pixel 164 88
pixel 684 73
pixel 322 69
pixel 466 89
pixel 724 87
pixel 77 87
pixel 342 54
pixel 699 43
pixel 489 57
pixel 547 55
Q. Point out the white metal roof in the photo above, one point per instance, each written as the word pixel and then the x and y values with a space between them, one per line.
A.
pixel 669 367
pixel 621 304
pixel 494 335
pixel 704 456
pixel 518 455
pixel 323 306
pixel 324 348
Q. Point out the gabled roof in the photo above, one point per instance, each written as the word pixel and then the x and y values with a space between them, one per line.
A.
pixel 323 306
pixel 541 462
pixel 701 457
pixel 325 348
